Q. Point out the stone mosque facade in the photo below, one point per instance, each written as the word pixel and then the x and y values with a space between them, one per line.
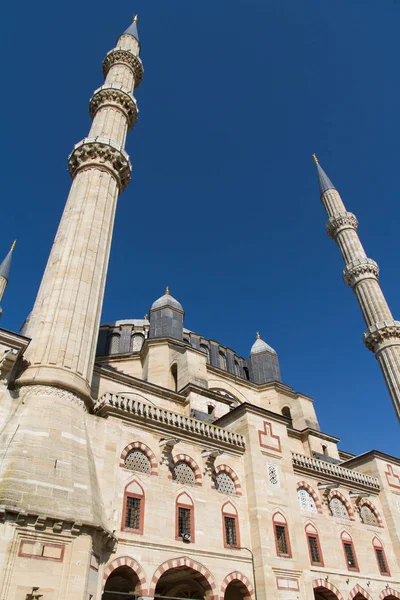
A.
pixel 140 459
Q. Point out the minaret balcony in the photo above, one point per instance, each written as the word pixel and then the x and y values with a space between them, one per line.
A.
pixel 117 97
pixel 124 57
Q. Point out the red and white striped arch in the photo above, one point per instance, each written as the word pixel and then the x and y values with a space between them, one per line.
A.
pixel 237 576
pixel 347 504
pixel 311 491
pixel 389 592
pixel 184 561
pixel 365 501
pixel 127 561
pixel 192 463
pixel 359 590
pixel 231 472
pixel 146 450
pixel 317 583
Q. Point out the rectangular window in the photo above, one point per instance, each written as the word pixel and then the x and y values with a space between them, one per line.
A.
pixel 315 552
pixel 184 521
pixel 380 556
pixel 350 556
pixel 230 531
pixel 132 514
pixel 282 541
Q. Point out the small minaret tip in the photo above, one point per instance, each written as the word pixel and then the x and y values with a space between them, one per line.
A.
pixel 167 291
pixel 135 19
pixel 258 336
pixel 315 158
pixel 325 183
pixel 13 245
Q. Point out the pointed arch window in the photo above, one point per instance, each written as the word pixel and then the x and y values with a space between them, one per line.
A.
pixel 368 516
pixel 349 552
pixel 306 501
pixel 314 546
pixel 230 526
pixel 282 540
pixel 184 517
pixel 380 557
pixel 222 360
pixel 133 512
pixel 338 508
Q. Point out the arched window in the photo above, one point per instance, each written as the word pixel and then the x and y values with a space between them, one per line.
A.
pixel 137 460
pixel 136 342
pixel 174 377
pixel 237 369
pixel 133 513
pixel 206 349
pixel 306 501
pixel 183 473
pixel 380 557
pixel 246 373
pixel 338 508
pixel 224 483
pixel 184 518
pixel 222 360
pixel 113 344
pixel 286 413
pixel 230 526
pixel 282 540
pixel 314 547
pixel 349 552
pixel 368 516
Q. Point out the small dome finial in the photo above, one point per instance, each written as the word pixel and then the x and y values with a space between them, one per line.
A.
pixel 13 245
pixel 135 19
pixel 258 336
pixel 167 291
pixel 315 158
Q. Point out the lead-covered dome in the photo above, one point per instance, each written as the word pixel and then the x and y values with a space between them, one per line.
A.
pixel 260 346
pixel 166 300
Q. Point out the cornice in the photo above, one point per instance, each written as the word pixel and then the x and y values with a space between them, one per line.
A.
pixel 245 408
pixel 303 434
pixel 16 340
pixel 371 455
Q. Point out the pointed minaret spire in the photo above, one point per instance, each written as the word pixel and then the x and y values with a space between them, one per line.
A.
pixel 382 335
pixel 65 319
pixel 132 29
pixel 325 183
pixel 5 271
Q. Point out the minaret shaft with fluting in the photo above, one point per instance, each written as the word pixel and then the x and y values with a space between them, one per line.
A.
pixel 66 315
pixel 361 273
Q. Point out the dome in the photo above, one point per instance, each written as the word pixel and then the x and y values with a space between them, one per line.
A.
pixel 167 300
pixel 260 346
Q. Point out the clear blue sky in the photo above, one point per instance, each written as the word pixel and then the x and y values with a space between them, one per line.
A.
pixel 224 205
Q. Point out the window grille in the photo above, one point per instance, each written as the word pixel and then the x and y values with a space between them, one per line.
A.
pixel 137 460
pixel 136 342
pixel 281 540
pixel 224 483
pixel 381 561
pixel 222 361
pixel 338 508
pixel 306 501
pixel 132 516
pixel 184 521
pixel 113 346
pixel 350 558
pixel 230 531
pixel 314 549
pixel 368 516
pixel 183 473
pixel 273 474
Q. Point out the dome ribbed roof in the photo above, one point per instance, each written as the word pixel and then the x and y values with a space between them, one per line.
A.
pixel 260 346
pixel 167 300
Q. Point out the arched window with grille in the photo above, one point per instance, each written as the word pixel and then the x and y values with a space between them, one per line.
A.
pixel 380 557
pixel 114 343
pixel 338 508
pixel 314 546
pixel 282 540
pixel 137 460
pixel 368 516
pixel 237 369
pixel 224 483
pixel 183 473
pixel 349 552
pixel 133 512
pixel 136 342
pixel 306 501
pixel 230 526
pixel 222 360
pixel 206 349
pixel 184 518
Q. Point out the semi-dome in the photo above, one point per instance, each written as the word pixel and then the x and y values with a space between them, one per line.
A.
pixel 166 300
pixel 260 346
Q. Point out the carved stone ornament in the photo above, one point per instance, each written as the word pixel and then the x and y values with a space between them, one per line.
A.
pixel 50 390
pixel 125 57
pixel 382 334
pixel 103 153
pixel 117 97
pixel 339 222
pixel 357 270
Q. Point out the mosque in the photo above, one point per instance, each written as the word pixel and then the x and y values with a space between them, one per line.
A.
pixel 140 459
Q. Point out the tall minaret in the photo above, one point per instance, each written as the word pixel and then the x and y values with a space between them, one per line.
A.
pixel 65 319
pixel 4 272
pixel 382 335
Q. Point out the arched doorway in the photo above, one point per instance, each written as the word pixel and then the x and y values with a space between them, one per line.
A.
pixel 326 591
pixel 124 580
pixel 183 582
pixel 236 590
